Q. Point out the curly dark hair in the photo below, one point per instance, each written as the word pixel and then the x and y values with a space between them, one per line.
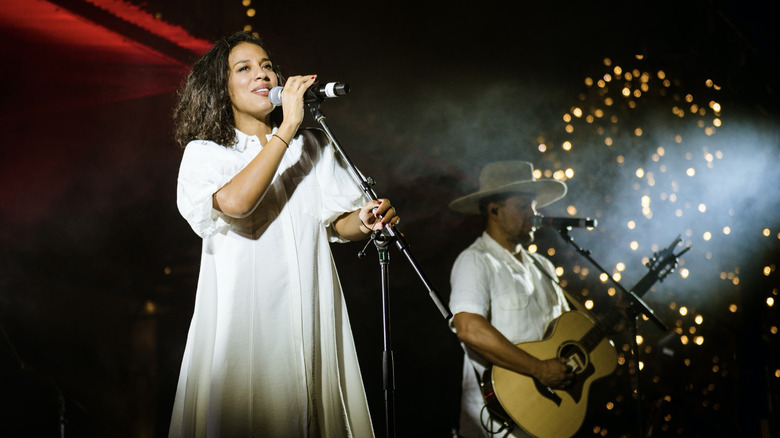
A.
pixel 203 110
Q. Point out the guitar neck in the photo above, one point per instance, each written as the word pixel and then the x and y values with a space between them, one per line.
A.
pixel 600 330
pixel 603 327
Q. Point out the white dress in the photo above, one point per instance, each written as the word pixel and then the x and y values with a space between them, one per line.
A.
pixel 269 352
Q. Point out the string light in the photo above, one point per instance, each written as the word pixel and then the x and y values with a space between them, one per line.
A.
pixel 660 141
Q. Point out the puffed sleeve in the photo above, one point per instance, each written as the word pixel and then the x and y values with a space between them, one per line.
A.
pixel 470 282
pixel 340 192
pixel 205 168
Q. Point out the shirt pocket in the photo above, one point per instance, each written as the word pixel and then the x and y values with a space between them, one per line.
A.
pixel 513 299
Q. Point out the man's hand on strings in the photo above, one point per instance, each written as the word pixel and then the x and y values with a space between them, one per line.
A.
pixel 554 373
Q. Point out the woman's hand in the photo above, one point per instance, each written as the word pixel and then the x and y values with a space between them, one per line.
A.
pixel 376 214
pixel 292 104
pixel 373 216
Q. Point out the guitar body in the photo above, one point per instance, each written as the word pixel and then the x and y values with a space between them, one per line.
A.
pixel 538 410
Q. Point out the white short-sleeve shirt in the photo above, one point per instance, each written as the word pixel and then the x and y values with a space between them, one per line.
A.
pixel 514 296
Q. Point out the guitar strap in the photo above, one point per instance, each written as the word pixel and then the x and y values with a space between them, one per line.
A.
pixel 570 298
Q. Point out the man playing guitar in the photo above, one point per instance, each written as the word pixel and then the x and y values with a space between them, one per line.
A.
pixel 499 295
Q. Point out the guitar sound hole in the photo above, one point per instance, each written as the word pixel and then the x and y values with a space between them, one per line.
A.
pixel 578 359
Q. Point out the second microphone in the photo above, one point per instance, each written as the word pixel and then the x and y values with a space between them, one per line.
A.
pixel 324 91
pixel 563 222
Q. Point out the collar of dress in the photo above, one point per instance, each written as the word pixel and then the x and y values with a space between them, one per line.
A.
pixel 245 139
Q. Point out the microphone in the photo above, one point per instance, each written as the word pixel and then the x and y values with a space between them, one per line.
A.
pixel 331 89
pixel 563 222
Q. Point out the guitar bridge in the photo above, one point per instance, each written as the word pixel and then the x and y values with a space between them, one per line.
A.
pixel 548 393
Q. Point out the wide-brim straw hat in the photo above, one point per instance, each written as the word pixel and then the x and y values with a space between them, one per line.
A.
pixel 510 177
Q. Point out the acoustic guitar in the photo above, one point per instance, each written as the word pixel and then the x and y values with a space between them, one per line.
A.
pixel 520 400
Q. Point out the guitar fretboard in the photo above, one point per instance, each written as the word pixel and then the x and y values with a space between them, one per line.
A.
pixel 601 329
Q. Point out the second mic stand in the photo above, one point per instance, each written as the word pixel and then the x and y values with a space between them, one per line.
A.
pixel 381 240
pixel 635 308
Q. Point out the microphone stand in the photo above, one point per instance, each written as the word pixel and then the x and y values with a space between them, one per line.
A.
pixel 382 240
pixel 635 308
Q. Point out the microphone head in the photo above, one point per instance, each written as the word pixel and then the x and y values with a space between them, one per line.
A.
pixel 275 96
pixel 334 89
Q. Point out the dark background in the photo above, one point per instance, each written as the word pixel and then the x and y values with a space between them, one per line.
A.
pixel 98 270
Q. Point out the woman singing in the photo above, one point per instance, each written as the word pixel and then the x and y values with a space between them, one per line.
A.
pixel 269 352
